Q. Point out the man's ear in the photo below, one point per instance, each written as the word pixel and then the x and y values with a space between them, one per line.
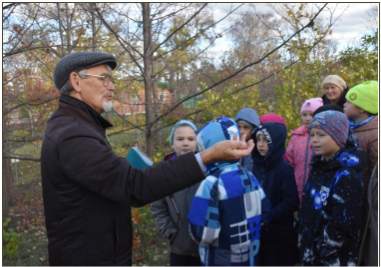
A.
pixel 75 81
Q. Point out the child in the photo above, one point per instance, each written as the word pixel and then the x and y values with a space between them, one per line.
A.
pixel 170 213
pixel 352 140
pixel 272 117
pixel 226 213
pixel 330 213
pixel 299 150
pixel 361 109
pixel 247 121
pixel 278 237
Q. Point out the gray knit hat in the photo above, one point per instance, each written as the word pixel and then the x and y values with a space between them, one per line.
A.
pixel 78 61
pixel 249 115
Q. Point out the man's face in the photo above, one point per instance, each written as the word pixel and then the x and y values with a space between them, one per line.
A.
pixel 94 93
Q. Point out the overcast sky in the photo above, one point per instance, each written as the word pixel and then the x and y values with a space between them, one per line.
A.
pixel 347 29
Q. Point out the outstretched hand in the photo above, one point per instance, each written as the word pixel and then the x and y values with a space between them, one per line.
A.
pixel 227 150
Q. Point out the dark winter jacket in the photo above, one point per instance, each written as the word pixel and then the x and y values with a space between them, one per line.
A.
pixel 88 190
pixel 330 213
pixel 170 217
pixel 278 182
pixel 340 102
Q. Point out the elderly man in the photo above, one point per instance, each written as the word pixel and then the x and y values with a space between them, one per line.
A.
pixel 87 189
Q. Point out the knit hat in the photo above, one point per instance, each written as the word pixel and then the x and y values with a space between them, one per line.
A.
pixel 248 115
pixel 328 107
pixel 217 130
pixel 78 61
pixel 334 123
pixel 336 80
pixel 311 104
pixel 364 96
pixel 271 117
pixel 183 122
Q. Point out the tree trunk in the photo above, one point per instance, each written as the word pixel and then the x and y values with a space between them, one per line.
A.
pixel 93 27
pixel 7 171
pixel 148 79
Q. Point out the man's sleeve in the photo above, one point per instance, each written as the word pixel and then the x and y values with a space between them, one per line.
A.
pixel 203 215
pixel 87 161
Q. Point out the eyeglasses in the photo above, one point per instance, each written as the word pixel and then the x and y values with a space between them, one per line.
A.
pixel 105 78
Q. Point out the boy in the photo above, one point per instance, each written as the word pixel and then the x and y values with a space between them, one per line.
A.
pixel 247 121
pixel 361 109
pixel 278 237
pixel 170 213
pixel 226 213
pixel 330 212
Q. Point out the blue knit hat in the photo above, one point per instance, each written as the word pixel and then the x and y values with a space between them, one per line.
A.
pixel 78 61
pixel 183 122
pixel 217 130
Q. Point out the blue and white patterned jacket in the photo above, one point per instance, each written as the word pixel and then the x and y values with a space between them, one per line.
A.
pixel 229 205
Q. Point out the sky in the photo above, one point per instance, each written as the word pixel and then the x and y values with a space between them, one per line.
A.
pixel 348 28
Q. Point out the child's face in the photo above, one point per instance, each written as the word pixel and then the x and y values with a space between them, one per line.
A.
pixel 245 129
pixel 323 144
pixel 306 118
pixel 332 92
pixel 184 140
pixel 262 145
pixel 351 110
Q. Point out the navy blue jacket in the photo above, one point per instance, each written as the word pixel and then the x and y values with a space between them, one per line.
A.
pixel 278 182
pixel 330 214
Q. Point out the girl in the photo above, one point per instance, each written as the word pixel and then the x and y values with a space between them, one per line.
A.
pixel 330 213
pixel 170 213
pixel 299 150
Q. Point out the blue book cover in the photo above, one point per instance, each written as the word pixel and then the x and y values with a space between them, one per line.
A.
pixel 138 159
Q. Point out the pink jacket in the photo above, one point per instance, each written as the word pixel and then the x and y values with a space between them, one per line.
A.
pixel 298 155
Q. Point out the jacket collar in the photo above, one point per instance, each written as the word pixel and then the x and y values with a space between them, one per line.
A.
pixel 83 111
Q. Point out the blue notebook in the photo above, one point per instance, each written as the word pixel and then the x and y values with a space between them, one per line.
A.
pixel 138 159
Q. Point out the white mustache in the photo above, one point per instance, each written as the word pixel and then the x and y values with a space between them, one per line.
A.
pixel 110 94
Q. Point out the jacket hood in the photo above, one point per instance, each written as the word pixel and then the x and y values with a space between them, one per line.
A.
pixel 249 115
pixel 217 130
pixel 275 134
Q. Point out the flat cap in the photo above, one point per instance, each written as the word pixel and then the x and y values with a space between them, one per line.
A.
pixel 78 61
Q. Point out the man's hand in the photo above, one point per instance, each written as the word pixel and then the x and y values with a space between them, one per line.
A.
pixel 227 150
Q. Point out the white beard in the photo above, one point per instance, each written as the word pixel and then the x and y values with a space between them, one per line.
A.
pixel 107 105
